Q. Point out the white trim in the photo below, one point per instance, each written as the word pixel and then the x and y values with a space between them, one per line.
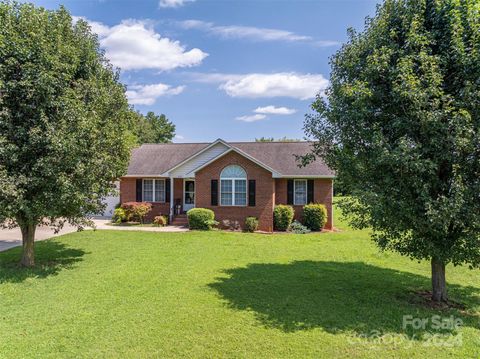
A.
pixel 294 191
pixel 232 180
pixel 144 176
pixel 172 205
pixel 306 176
pixel 153 189
pixel 183 194
pixel 241 153
pixel 219 140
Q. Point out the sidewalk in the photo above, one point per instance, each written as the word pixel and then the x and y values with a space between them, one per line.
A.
pixel 10 238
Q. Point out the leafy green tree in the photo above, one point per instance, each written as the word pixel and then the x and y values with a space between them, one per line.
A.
pixel 152 128
pixel 401 122
pixel 271 139
pixel 63 122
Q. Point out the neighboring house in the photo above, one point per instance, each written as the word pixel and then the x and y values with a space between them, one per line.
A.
pixel 235 179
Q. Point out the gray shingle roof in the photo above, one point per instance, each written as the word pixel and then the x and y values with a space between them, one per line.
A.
pixel 155 159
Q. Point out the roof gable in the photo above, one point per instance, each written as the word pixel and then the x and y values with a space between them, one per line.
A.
pixel 184 159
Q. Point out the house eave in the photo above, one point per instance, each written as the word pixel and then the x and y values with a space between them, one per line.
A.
pixel 306 176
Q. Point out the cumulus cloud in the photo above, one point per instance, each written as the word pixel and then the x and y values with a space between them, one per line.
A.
pixel 173 3
pixel 272 110
pixel 251 118
pixel 134 45
pixel 148 94
pixel 294 85
pixel 252 33
pixel 257 85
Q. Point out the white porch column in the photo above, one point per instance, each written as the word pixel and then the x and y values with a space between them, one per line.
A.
pixel 172 204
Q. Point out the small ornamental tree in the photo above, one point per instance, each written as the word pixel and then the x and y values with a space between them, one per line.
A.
pixel 401 126
pixel 63 122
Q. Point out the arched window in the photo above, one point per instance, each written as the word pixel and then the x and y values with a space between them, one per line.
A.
pixel 233 186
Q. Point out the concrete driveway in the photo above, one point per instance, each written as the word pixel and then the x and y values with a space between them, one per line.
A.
pixel 10 238
pixel 13 237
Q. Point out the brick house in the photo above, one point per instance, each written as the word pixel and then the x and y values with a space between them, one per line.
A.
pixel 235 180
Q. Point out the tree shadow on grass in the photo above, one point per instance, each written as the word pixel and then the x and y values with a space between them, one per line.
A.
pixel 336 296
pixel 50 258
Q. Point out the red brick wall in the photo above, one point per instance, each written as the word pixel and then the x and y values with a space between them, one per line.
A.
pixel 128 193
pixel 322 193
pixel 265 192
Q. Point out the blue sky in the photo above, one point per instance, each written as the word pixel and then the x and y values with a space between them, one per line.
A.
pixel 235 70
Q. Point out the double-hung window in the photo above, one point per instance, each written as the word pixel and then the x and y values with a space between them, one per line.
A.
pixel 300 192
pixel 154 190
pixel 233 186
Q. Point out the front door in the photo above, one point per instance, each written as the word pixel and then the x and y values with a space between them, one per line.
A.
pixel 188 194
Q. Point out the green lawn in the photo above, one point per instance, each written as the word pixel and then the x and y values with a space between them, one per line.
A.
pixel 217 295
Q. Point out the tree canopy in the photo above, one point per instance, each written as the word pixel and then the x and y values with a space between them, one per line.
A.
pixel 64 121
pixel 400 122
pixel 152 128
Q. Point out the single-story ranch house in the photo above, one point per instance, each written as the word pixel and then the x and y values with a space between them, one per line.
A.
pixel 235 179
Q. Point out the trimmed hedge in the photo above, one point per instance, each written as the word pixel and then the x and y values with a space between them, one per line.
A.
pixel 282 217
pixel 251 224
pixel 201 218
pixel 314 216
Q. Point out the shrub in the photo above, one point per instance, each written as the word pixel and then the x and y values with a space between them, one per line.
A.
pixel 201 218
pixel 298 228
pixel 314 216
pixel 251 224
pixel 282 217
pixel 136 210
pixel 119 216
pixel 160 221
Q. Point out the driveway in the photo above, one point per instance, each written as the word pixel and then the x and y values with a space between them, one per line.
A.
pixel 10 238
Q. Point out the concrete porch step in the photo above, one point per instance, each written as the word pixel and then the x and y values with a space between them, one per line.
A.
pixel 180 220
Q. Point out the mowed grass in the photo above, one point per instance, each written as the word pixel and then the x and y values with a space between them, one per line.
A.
pixel 226 295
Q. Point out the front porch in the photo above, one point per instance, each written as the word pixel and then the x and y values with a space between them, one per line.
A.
pixel 182 198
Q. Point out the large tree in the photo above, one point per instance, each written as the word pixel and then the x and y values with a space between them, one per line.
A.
pixel 63 121
pixel 153 128
pixel 400 122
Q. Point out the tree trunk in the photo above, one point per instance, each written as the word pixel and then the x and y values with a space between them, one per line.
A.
pixel 439 285
pixel 28 237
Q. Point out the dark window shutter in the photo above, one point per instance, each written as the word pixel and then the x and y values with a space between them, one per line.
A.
pixel 310 185
pixel 139 189
pixel 167 190
pixel 290 191
pixel 214 192
pixel 251 193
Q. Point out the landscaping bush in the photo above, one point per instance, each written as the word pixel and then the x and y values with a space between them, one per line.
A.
pixel 201 218
pixel 282 217
pixel 160 221
pixel 251 224
pixel 298 228
pixel 136 211
pixel 314 216
pixel 119 216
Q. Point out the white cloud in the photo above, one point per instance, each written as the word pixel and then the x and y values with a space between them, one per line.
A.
pixel 256 85
pixel 252 33
pixel 134 45
pixel 179 137
pixel 251 118
pixel 148 94
pixel 173 3
pixel 272 110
